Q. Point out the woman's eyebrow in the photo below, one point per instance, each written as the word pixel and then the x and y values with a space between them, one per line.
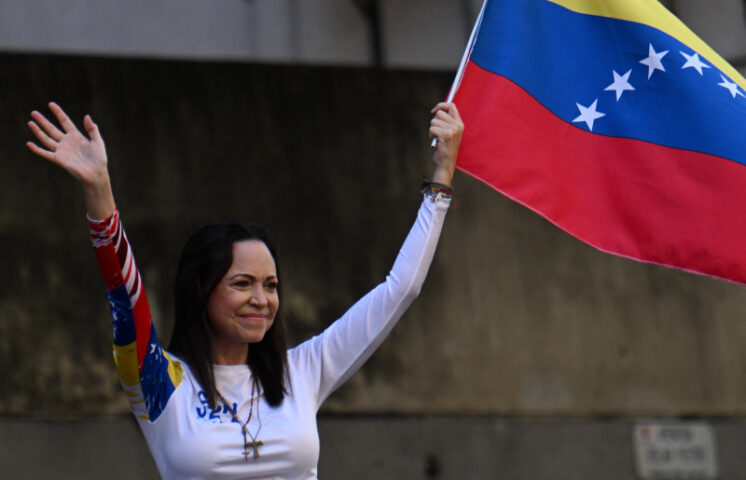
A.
pixel 250 276
pixel 241 275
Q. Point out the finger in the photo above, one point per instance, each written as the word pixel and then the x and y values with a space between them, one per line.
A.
pixel 91 128
pixel 439 133
pixel 453 111
pixel 48 126
pixel 447 121
pixel 449 110
pixel 41 152
pixel 65 122
pixel 441 106
pixel 440 126
pixel 41 136
pixel 444 123
pixel 443 133
pixel 444 116
pixel 451 118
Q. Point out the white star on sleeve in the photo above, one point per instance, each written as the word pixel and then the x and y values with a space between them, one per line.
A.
pixel 732 87
pixel 588 114
pixel 693 61
pixel 621 83
pixel 653 60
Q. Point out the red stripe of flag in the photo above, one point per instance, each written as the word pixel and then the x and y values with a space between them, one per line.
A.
pixel 636 198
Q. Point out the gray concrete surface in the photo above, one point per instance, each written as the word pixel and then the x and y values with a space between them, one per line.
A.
pixel 374 447
pixel 287 31
pixel 315 31
pixel 517 320
pixel 526 319
pixel 422 34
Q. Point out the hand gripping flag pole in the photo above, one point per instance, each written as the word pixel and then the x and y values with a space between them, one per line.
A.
pixel 462 65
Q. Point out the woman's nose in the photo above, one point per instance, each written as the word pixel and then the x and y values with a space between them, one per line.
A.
pixel 258 297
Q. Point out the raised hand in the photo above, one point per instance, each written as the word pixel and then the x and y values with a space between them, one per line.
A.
pixel 82 157
pixel 448 128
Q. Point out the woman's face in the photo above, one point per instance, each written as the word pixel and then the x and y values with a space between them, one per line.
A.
pixel 243 305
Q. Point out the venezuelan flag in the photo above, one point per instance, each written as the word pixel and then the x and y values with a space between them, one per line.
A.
pixel 615 122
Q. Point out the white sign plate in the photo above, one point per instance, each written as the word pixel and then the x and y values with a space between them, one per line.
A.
pixel 675 450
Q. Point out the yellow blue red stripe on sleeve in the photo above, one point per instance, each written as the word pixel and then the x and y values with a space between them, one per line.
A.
pixel 148 375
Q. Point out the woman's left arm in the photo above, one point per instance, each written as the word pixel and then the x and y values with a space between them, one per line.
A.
pixel 331 358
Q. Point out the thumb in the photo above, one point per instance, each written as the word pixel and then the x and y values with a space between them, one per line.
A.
pixel 91 128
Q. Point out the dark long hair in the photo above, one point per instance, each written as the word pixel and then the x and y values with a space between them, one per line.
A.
pixel 206 258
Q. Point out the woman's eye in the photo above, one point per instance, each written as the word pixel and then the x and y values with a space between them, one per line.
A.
pixel 272 286
pixel 241 284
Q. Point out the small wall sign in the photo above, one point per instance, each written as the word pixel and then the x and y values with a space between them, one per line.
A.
pixel 675 450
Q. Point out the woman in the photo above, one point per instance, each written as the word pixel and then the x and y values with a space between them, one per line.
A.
pixel 228 400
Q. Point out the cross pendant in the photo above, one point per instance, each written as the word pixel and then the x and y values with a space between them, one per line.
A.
pixel 255 444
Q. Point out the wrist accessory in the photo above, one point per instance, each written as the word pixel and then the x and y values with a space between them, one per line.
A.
pixel 436 191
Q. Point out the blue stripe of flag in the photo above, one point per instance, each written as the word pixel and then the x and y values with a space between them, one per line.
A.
pixel 563 58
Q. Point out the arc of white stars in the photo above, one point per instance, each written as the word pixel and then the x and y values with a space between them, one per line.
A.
pixel 588 114
pixel 732 87
pixel 653 60
pixel 693 61
pixel 621 84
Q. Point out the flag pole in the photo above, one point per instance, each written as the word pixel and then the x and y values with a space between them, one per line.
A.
pixel 464 59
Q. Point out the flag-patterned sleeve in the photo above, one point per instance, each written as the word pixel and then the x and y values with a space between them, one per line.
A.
pixel 148 375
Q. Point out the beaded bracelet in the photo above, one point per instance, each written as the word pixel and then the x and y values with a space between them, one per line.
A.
pixel 436 191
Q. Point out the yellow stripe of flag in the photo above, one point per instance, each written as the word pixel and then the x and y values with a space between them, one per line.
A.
pixel 653 14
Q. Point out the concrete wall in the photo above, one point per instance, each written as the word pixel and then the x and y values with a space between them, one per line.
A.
pixel 350 32
pixel 522 338
pixel 516 317
pixel 422 34
pixel 258 30
pixel 721 23
pixel 410 448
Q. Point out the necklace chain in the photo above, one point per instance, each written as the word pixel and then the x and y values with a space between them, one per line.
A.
pixel 254 444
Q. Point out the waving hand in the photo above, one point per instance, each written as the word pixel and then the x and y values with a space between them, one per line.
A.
pixel 83 157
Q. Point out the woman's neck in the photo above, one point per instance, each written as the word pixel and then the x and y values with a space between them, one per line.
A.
pixel 230 355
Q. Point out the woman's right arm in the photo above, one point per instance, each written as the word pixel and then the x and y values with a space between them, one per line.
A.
pixel 148 375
